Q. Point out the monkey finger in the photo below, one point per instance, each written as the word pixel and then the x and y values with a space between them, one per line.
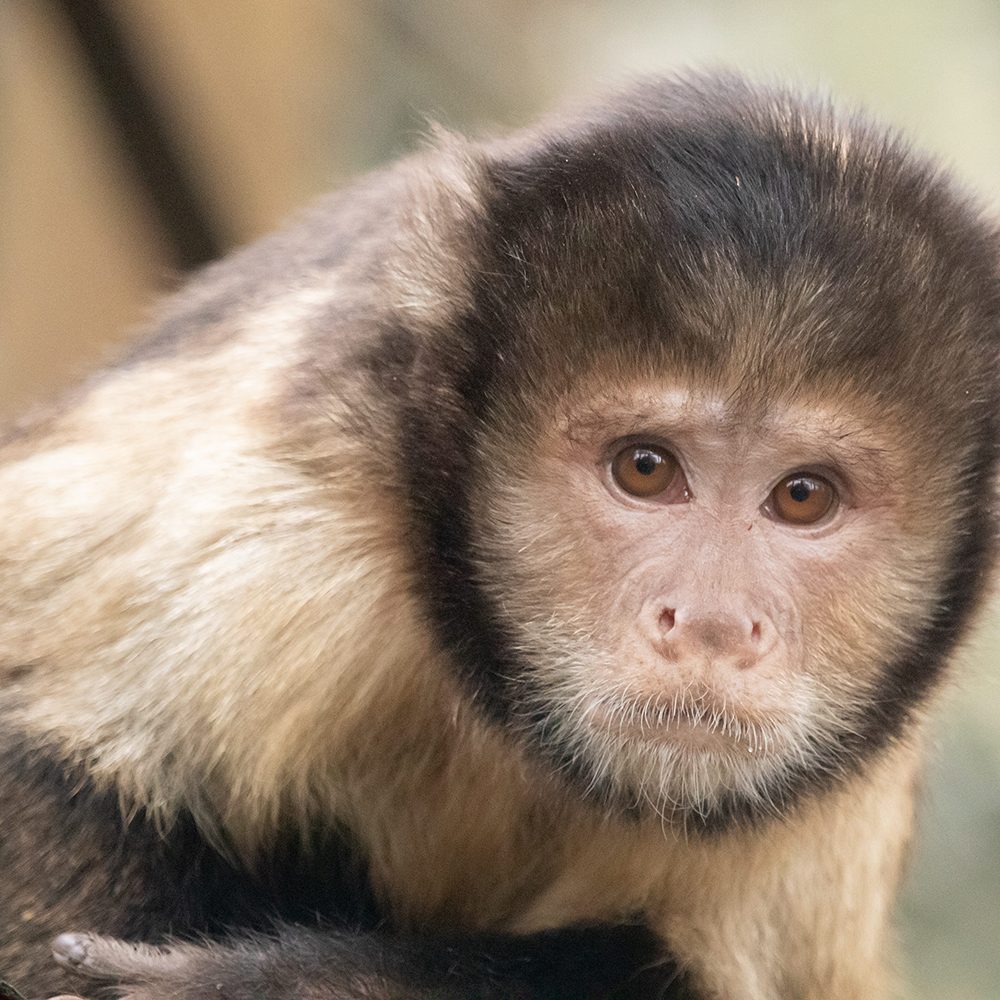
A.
pixel 108 958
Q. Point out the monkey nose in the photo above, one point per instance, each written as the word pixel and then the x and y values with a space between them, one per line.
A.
pixel 714 634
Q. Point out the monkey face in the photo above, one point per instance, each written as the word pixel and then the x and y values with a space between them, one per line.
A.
pixel 705 597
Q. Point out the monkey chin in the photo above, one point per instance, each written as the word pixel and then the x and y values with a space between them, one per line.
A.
pixel 686 735
pixel 692 764
pixel 682 726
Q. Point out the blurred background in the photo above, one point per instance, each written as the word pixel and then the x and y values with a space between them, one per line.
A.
pixel 140 138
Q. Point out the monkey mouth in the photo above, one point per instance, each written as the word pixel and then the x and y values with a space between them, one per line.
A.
pixel 692 723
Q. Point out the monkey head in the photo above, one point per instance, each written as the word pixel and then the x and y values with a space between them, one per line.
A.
pixel 704 469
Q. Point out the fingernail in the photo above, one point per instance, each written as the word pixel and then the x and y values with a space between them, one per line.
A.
pixel 70 948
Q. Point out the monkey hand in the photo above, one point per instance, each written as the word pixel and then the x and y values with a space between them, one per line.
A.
pixel 295 963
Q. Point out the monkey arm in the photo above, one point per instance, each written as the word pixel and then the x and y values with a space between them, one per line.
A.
pixel 295 964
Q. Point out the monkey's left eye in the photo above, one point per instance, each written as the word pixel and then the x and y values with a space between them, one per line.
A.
pixel 802 499
pixel 646 471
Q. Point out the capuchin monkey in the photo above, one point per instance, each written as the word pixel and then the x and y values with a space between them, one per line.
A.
pixel 527 576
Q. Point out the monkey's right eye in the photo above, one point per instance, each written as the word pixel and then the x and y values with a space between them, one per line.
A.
pixel 645 471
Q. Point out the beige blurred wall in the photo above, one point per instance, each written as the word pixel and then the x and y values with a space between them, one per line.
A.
pixel 81 256
pixel 78 254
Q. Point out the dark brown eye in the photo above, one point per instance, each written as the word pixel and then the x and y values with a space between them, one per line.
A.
pixel 803 499
pixel 644 470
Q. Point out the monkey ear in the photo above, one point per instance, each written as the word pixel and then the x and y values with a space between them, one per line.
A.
pixel 428 269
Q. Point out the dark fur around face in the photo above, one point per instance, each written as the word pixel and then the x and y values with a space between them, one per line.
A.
pixel 746 240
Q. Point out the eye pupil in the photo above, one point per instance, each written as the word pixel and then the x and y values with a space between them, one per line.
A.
pixel 646 463
pixel 799 490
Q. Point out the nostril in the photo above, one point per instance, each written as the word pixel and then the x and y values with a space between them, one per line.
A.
pixel 755 632
pixel 667 618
